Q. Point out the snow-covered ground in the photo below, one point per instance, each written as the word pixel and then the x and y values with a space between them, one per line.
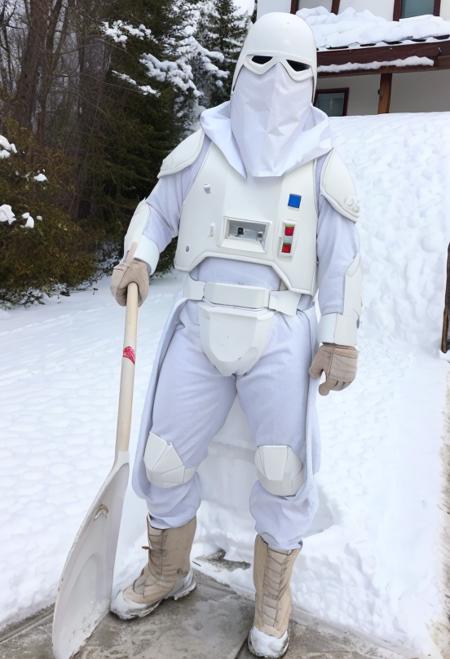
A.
pixel 372 562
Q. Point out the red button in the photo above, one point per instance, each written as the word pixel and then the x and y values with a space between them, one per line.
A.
pixel 289 230
pixel 286 248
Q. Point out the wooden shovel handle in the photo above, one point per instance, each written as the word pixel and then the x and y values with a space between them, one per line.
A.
pixel 127 371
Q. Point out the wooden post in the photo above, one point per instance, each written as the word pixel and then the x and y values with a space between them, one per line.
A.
pixel 335 6
pixel 384 93
pixel 294 6
pixel 445 343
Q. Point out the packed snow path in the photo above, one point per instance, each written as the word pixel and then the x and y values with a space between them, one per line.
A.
pixel 212 622
pixel 372 563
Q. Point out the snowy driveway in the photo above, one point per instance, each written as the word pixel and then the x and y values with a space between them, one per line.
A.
pixel 371 563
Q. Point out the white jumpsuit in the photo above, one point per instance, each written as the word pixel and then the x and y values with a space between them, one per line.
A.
pixel 192 399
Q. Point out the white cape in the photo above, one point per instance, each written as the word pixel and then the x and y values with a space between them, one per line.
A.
pixel 217 126
pixel 140 481
pixel 314 142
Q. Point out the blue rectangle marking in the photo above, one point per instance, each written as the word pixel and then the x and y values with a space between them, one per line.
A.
pixel 295 200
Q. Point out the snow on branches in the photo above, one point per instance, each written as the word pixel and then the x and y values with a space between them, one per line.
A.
pixel 193 54
pixel 144 89
pixel 180 73
pixel 7 215
pixel 6 148
pixel 119 31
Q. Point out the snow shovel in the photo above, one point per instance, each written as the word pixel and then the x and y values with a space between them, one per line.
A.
pixel 84 592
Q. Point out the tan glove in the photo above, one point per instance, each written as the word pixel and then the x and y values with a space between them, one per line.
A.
pixel 127 271
pixel 339 365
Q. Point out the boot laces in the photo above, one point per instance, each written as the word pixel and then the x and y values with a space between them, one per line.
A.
pixel 275 587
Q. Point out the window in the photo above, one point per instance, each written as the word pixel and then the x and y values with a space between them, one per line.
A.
pixel 417 7
pixel 332 101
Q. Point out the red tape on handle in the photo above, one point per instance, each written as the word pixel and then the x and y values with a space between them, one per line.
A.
pixel 128 353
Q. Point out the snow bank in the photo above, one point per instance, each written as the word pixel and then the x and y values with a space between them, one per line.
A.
pixel 372 561
pixel 59 382
pixel 353 28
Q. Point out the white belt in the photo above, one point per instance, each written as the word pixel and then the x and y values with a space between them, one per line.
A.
pixel 250 297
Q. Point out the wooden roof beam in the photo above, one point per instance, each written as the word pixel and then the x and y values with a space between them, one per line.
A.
pixel 365 55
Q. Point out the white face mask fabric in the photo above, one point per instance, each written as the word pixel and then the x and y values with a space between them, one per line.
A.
pixel 270 115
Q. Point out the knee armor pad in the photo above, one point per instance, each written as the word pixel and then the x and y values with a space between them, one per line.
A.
pixel 163 465
pixel 280 471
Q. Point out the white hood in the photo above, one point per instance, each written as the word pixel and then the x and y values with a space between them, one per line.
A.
pixel 270 126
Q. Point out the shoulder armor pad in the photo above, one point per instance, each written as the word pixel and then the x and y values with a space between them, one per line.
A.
pixel 183 155
pixel 337 187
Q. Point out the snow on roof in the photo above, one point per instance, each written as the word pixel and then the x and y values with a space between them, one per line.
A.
pixel 353 66
pixel 359 28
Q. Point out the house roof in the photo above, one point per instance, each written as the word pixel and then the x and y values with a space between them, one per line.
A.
pixel 359 42
pixel 404 56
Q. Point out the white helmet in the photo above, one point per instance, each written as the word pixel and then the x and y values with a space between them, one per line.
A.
pixel 280 37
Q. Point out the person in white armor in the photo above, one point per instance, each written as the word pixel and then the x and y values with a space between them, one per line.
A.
pixel 264 210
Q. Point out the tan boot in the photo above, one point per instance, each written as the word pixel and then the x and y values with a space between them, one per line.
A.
pixel 168 573
pixel 272 572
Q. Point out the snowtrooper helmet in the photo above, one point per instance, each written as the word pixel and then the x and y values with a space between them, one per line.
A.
pixel 279 37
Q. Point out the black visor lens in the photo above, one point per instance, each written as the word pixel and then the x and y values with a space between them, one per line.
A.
pixel 261 59
pixel 297 66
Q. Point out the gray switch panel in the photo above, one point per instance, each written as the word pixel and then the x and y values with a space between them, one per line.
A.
pixel 248 231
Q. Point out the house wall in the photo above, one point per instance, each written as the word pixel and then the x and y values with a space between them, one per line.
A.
pixel 421 92
pixel 363 98
pixel 266 6
pixel 445 9
pixel 310 4
pixel 384 8
pixel 411 92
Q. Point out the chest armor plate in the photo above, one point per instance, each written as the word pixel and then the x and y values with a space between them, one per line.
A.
pixel 270 221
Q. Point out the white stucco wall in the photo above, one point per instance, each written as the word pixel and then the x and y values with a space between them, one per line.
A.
pixel 411 92
pixel 266 6
pixel 384 8
pixel 421 92
pixel 445 9
pixel 309 4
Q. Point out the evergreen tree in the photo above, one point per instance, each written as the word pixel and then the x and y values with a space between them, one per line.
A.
pixel 169 59
pixel 141 118
pixel 150 102
pixel 223 29
pixel 187 64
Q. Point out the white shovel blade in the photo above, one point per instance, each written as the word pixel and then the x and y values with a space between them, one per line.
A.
pixel 84 592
